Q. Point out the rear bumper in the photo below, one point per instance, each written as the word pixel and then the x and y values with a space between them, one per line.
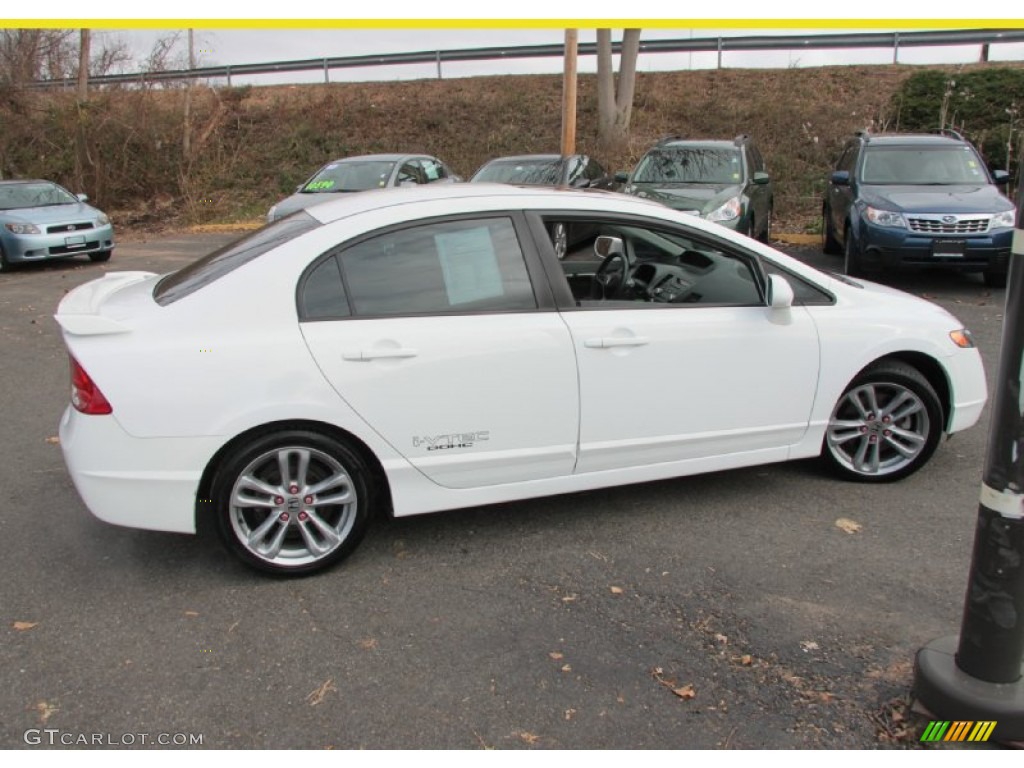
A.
pixel 146 483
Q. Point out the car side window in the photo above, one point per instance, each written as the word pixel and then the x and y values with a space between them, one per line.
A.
pixel 577 165
pixel 410 173
pixel 593 171
pixel 322 292
pixel 433 170
pixel 847 160
pixel 446 267
pixel 653 266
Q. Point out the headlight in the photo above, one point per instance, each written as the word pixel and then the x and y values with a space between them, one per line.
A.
pixel 102 220
pixel 1004 219
pixel 884 218
pixel 729 210
pixel 23 229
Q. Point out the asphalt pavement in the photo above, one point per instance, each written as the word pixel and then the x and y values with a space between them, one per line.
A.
pixel 722 611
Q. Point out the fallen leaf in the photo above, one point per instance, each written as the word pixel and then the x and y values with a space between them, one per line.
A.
pixel 567 668
pixel 746 659
pixel 21 626
pixel 317 695
pixel 569 599
pixel 529 738
pixel 686 692
pixel 191 614
pixel 809 645
pixel 847 525
pixel 53 440
pixel 556 655
pixel 369 643
pixel 45 710
pixel 569 713
pixel 721 638
pixel 616 590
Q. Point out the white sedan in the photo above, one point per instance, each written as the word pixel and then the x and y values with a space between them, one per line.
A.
pixel 413 350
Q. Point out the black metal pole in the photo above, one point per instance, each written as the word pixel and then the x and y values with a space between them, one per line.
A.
pixel 982 680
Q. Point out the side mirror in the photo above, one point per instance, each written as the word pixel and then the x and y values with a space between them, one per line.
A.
pixel 1000 177
pixel 607 245
pixel 621 177
pixel 840 178
pixel 299 188
pixel 760 177
pixel 780 292
pixel 82 197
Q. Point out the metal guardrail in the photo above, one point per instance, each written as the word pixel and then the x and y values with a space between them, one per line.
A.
pixel 721 45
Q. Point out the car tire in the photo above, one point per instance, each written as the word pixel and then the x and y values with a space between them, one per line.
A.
pixel 5 265
pixel 766 236
pixel 886 425
pixel 995 279
pixel 560 239
pixel 100 256
pixel 829 244
pixel 852 258
pixel 297 524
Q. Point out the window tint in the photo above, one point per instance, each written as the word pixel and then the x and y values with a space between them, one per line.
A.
pixel 323 294
pixel 804 293
pixel 689 165
pixel 593 171
pixel 410 173
pixel 454 266
pixel 191 278
pixel 847 160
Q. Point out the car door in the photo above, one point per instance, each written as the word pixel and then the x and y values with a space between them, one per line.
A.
pixel 435 335
pixel 707 370
pixel 760 194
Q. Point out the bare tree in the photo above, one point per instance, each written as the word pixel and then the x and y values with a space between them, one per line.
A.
pixel 615 105
pixel 32 54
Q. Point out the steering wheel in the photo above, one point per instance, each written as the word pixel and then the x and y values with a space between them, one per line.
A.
pixel 609 278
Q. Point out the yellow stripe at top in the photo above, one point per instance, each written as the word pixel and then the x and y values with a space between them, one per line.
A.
pixel 774 23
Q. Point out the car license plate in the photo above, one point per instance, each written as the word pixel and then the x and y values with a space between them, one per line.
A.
pixel 75 242
pixel 949 249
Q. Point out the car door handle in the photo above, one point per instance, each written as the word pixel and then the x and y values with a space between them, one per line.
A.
pixel 365 355
pixel 616 341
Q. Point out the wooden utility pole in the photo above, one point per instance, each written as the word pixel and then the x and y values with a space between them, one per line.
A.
pixel 569 94
pixel 83 66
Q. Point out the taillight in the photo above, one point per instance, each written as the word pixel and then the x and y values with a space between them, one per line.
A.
pixel 85 395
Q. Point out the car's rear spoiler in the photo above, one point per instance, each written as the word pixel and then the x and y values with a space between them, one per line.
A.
pixel 79 312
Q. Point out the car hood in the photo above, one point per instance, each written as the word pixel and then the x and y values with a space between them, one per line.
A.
pixel 51 214
pixel 684 197
pixel 945 198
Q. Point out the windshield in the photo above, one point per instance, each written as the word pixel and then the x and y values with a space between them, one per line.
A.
pixel 351 176
pixel 690 165
pixel 14 196
pixel 547 173
pixel 922 165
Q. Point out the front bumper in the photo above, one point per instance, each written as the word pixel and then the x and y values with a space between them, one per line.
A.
pixel 59 245
pixel 895 248
pixel 136 482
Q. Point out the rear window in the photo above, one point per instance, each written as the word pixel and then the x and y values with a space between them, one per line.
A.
pixel 213 266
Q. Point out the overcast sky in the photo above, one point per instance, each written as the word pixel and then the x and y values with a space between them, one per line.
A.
pixel 216 44
pixel 246 46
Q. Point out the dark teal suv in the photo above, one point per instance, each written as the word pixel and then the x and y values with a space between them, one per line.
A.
pixel 899 201
pixel 721 181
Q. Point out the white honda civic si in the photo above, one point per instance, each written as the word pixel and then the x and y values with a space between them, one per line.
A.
pixel 412 350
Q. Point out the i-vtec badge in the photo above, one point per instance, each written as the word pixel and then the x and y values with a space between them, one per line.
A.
pixel 453 440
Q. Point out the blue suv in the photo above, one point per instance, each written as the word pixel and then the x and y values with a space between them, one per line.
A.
pixel 913 200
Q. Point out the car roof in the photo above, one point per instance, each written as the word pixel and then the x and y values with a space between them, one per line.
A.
pixel 526 158
pixel 481 194
pixel 714 143
pixel 912 139
pixel 392 157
